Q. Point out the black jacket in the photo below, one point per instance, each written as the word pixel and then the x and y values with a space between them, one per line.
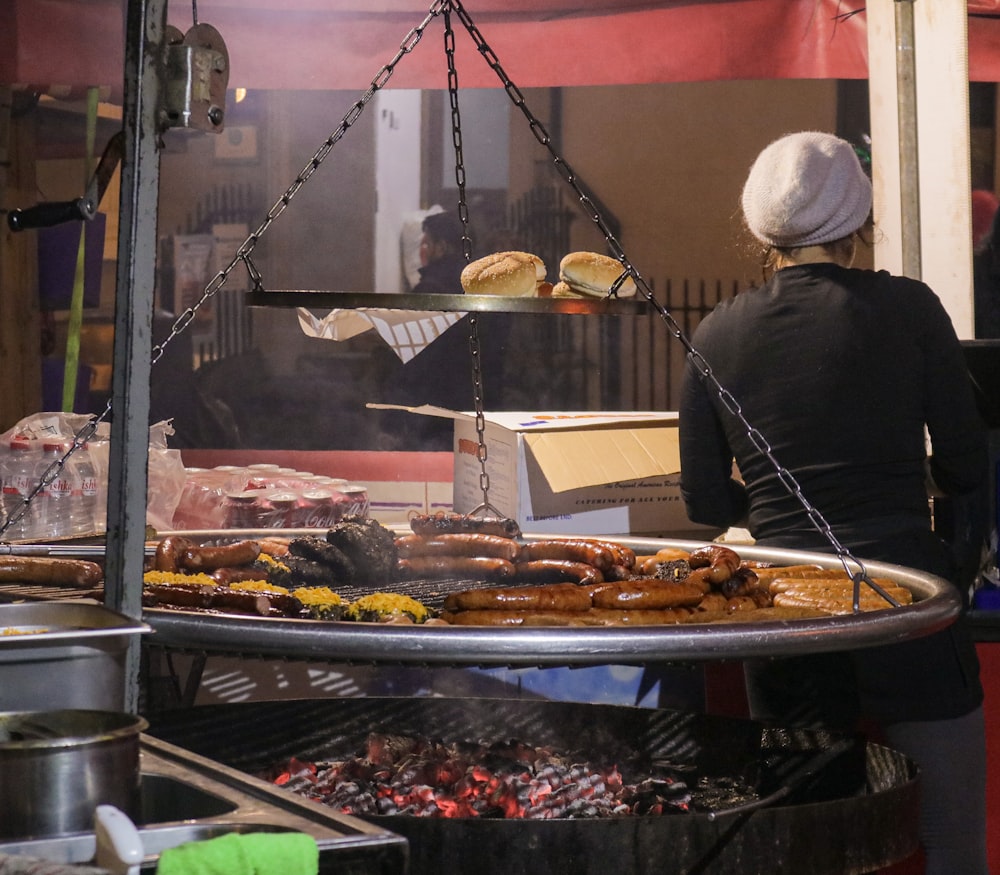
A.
pixel 838 371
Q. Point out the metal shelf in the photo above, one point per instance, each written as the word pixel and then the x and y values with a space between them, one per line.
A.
pixel 328 300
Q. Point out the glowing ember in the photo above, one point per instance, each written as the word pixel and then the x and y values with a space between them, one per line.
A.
pixel 399 775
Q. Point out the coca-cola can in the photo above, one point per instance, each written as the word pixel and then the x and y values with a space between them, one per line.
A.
pixel 318 509
pixel 241 509
pixel 277 510
pixel 357 499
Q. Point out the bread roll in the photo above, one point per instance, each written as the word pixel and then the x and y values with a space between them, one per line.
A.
pixel 591 273
pixel 513 274
pixel 562 290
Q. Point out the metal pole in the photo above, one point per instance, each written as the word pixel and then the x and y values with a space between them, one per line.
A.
pixel 909 173
pixel 129 450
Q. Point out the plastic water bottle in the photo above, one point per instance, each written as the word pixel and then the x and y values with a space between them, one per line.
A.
pixel 18 481
pixel 85 505
pixel 56 498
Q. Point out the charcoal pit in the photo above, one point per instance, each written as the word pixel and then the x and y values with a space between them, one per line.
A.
pixel 828 803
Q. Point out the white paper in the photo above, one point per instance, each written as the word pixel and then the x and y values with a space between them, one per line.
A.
pixel 406 331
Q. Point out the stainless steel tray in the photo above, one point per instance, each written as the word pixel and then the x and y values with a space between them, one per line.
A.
pixel 186 798
pixel 936 605
pixel 328 300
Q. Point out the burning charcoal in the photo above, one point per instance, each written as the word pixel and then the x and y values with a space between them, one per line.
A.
pixel 420 777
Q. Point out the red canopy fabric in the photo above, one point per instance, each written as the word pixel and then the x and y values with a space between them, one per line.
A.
pixel 343 44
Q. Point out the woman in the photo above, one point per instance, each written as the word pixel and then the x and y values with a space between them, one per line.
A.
pixel 839 371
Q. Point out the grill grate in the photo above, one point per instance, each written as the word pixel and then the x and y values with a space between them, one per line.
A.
pixel 430 592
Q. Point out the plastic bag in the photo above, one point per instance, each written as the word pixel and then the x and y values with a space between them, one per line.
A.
pixel 165 473
pixel 166 478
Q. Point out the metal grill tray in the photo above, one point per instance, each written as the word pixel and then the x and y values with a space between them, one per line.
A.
pixel 936 605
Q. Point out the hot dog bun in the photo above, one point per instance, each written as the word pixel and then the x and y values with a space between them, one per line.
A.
pixel 591 273
pixel 512 274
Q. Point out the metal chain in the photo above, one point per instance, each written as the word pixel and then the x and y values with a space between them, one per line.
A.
pixel 243 254
pixel 482 452
pixel 628 270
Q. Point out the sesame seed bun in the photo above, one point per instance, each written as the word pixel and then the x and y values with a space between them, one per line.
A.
pixel 591 273
pixel 514 274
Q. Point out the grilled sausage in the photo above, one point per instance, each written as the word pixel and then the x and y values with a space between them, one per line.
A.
pixel 77 573
pixel 168 553
pixel 586 550
pixel 195 558
pixel 514 618
pixel 593 617
pixel 227 575
pixel 442 523
pixel 458 545
pixel 649 594
pixel 220 598
pixel 743 582
pixel 721 561
pixel 558 571
pixel 611 617
pixel 553 596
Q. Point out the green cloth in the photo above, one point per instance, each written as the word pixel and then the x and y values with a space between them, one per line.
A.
pixel 262 853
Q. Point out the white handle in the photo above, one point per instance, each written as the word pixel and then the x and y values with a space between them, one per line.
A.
pixel 119 845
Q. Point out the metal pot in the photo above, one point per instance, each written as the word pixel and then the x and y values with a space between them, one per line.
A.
pixel 56 767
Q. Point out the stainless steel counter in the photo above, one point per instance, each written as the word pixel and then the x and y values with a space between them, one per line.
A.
pixel 186 798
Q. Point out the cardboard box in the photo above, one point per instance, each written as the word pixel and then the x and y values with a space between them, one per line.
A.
pixel 575 472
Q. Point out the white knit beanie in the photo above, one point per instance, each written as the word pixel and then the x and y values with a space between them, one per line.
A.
pixel 804 189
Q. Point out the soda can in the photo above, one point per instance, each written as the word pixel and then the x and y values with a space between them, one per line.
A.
pixel 241 509
pixel 318 509
pixel 357 499
pixel 277 509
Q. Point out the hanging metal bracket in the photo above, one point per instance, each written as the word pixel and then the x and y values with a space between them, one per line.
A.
pixel 196 75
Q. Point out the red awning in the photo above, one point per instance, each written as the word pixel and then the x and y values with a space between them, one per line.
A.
pixel 343 44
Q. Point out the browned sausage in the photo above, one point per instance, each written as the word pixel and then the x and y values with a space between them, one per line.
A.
pixel 274 546
pixel 441 523
pixel 585 550
pixel 786 570
pixel 611 617
pixel 618 572
pixel 241 573
pixel 741 603
pixel 477 567
pixel 168 553
pixel 264 604
pixel 220 598
pixel 76 573
pixel 722 561
pixel 457 545
pixel 593 617
pixel 514 618
pixel 700 577
pixel 558 571
pixel 712 601
pixel 553 596
pixel 189 595
pixel 743 582
pixel 647 594
pixel 195 558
